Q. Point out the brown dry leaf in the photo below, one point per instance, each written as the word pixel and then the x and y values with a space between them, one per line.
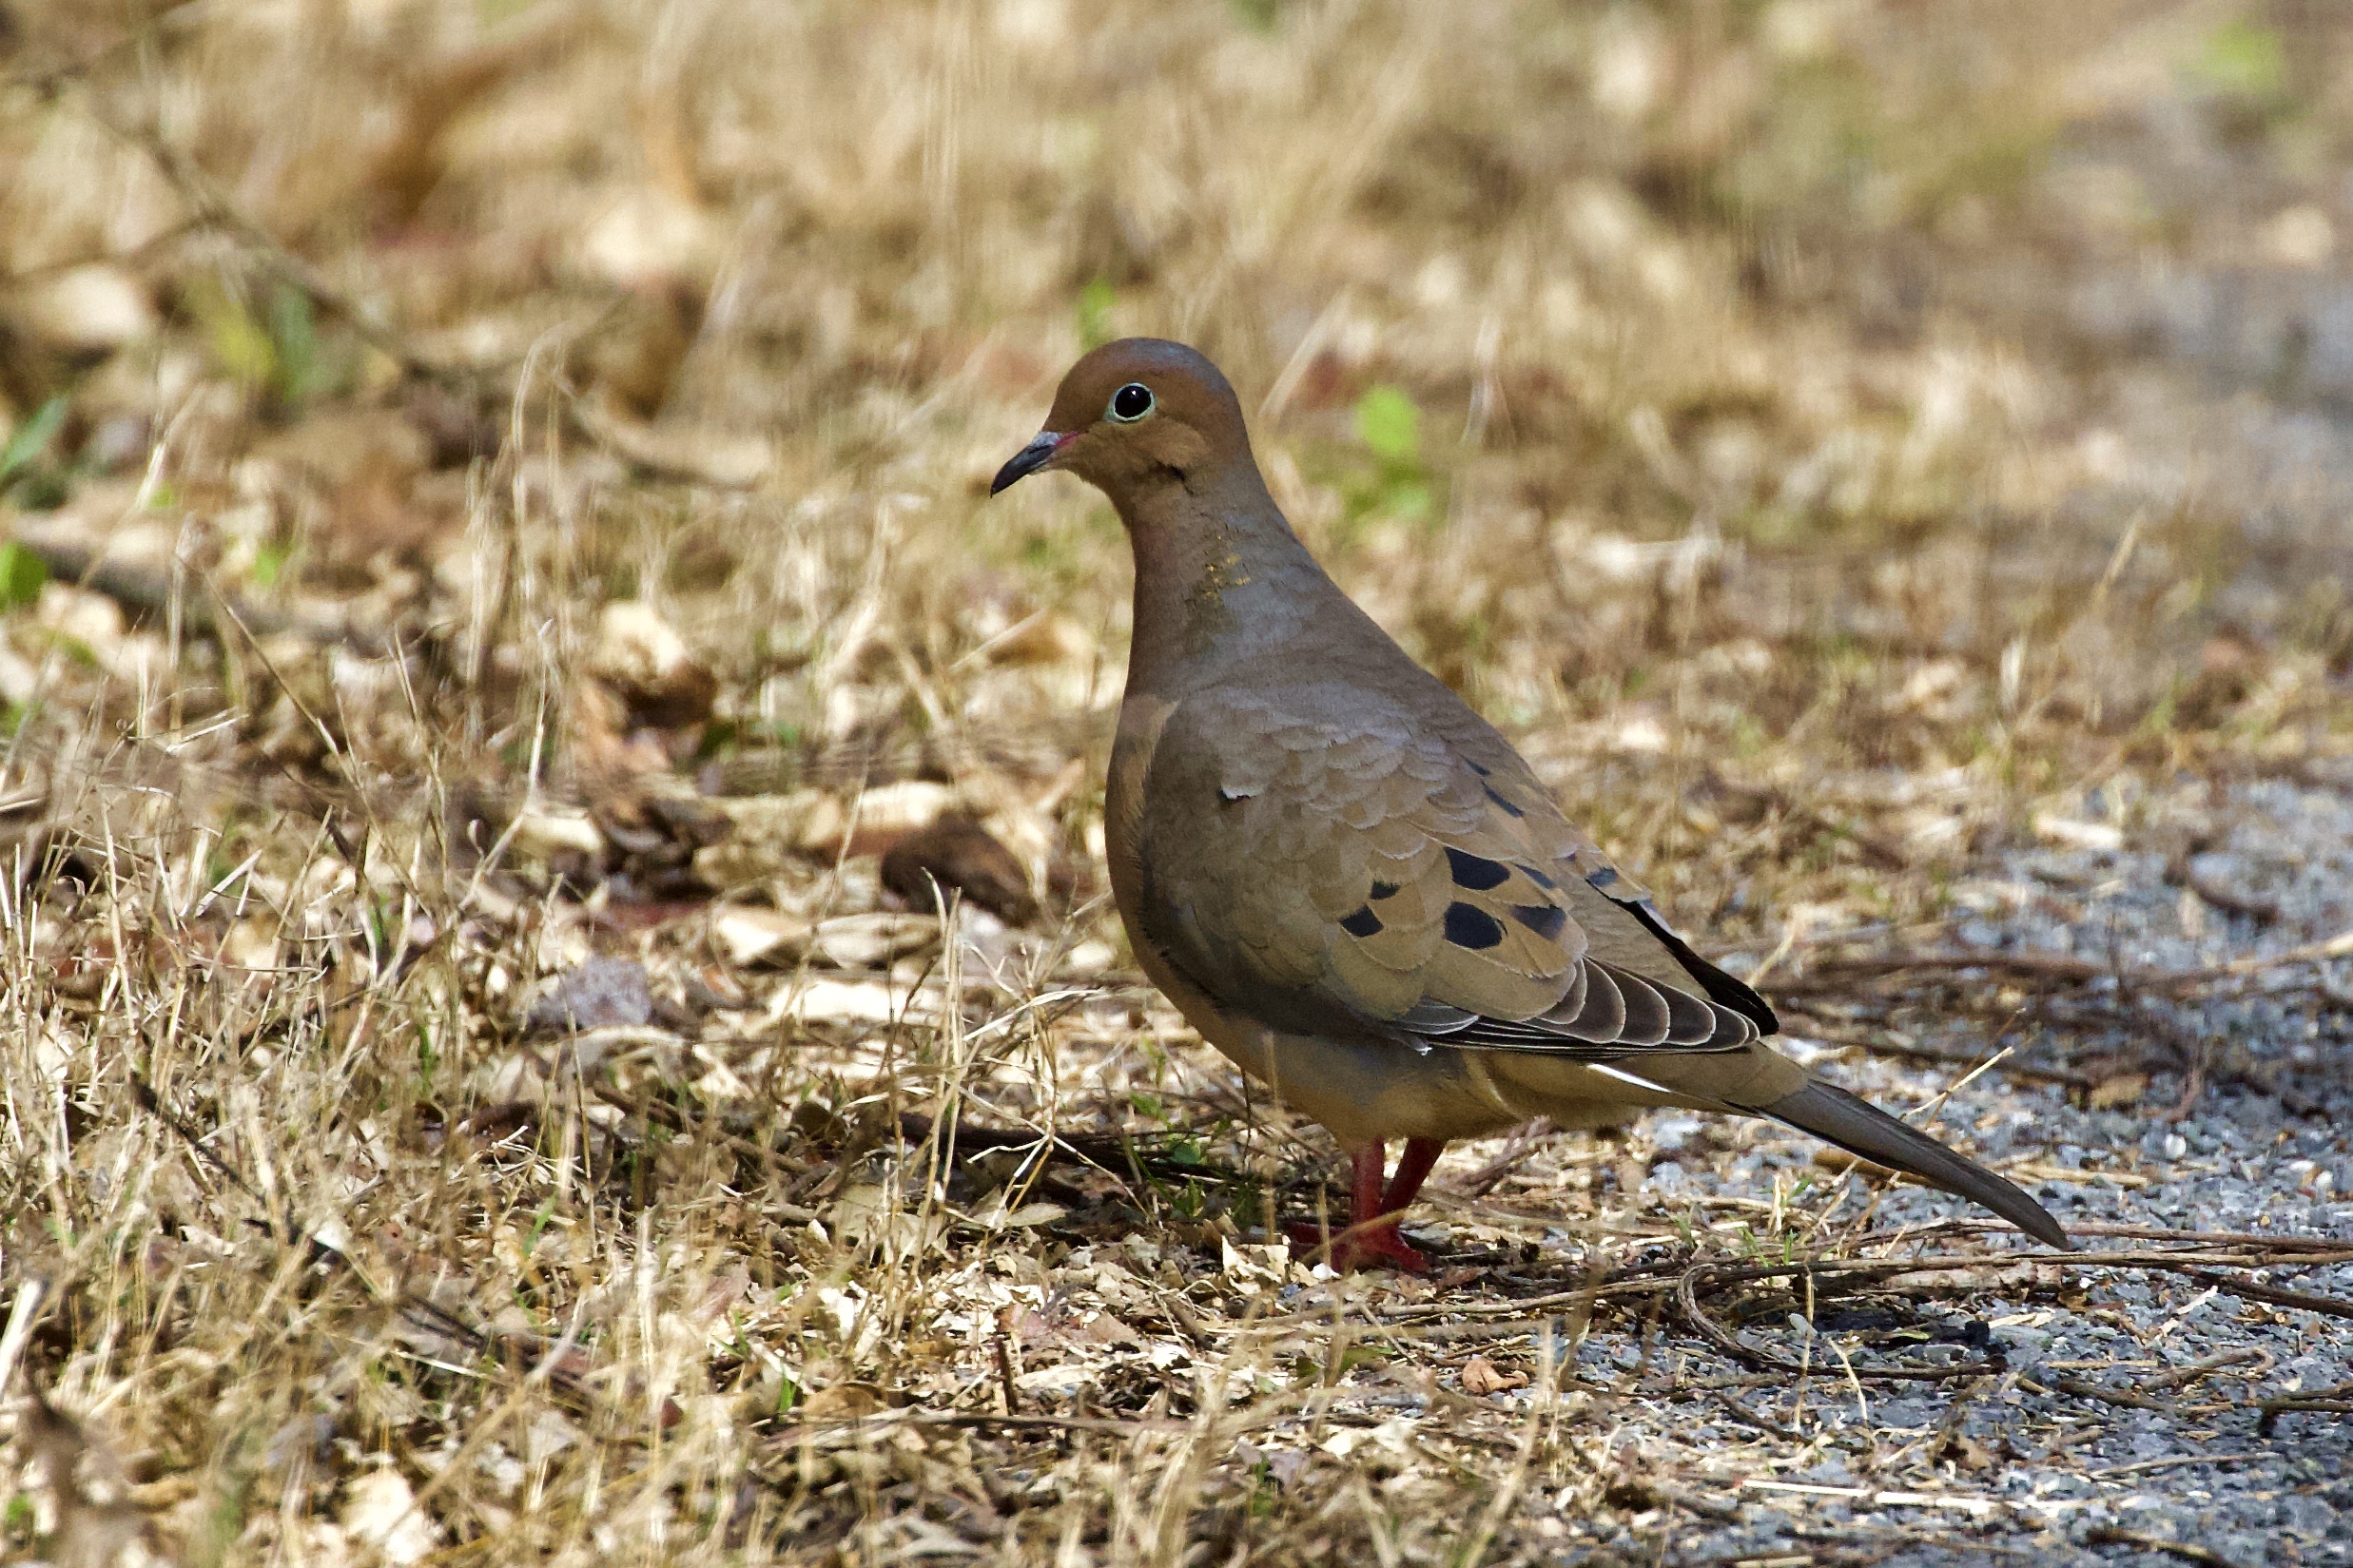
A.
pixel 636 356
pixel 957 854
pixel 841 1401
pixel 648 664
pixel 363 463
pixel 877 818
pixel 1967 1452
pixel 773 835
pixel 380 1508
pixel 749 934
pixel 2123 1089
pixel 1480 1377
pixel 871 941
pixel 382 513
pixel 91 309
pixel 1048 637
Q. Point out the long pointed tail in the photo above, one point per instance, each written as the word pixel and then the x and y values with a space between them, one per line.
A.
pixel 1856 1126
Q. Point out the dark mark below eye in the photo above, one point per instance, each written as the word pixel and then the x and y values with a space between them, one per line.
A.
pixel 1476 872
pixel 1544 918
pixel 1384 890
pixel 1363 923
pixel 1473 928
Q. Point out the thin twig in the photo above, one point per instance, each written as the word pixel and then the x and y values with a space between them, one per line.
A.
pixel 2303 1301
pixel 1687 1298
pixel 2109 1534
pixel 2196 1369
pixel 2130 1398
pixel 2332 1400
pixel 2061 968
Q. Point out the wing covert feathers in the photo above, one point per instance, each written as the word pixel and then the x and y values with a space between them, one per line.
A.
pixel 1328 861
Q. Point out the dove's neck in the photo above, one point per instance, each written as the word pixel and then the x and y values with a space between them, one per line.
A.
pixel 1220 580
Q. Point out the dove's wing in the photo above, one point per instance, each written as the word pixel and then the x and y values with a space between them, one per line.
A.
pixel 1323 860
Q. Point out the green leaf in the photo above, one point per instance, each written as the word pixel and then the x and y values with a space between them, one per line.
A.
pixel 2242 59
pixel 1094 302
pixel 1407 502
pixel 33 435
pixel 294 338
pixel 22 574
pixel 72 646
pixel 720 738
pixel 1388 422
pixel 239 345
pixel 1309 1369
pixel 539 1224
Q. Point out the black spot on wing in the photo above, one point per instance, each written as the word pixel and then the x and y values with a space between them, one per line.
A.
pixel 1476 872
pixel 1471 927
pixel 1500 801
pixel 1538 877
pixel 1384 890
pixel 1545 920
pixel 1363 923
pixel 1602 878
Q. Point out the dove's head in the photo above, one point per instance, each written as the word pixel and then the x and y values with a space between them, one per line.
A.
pixel 1135 415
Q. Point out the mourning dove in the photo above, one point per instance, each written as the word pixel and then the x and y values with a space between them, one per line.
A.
pixel 1348 882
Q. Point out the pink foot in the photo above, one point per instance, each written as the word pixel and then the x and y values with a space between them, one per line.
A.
pixel 1351 1249
pixel 1373 1238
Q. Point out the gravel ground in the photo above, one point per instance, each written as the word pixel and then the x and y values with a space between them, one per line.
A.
pixel 2094 1442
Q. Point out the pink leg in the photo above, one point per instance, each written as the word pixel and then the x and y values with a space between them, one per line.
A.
pixel 1371 1236
pixel 1414 1163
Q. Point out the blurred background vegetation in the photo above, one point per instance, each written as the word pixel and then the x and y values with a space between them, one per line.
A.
pixel 1950 293
pixel 1822 278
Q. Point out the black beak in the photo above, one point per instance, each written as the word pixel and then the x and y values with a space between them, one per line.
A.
pixel 1029 459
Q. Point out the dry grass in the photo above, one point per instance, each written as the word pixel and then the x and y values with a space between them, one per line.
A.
pixel 1687 384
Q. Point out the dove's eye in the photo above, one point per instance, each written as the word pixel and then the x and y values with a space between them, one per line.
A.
pixel 1131 402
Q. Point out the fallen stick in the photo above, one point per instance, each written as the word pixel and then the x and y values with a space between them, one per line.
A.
pixel 1827 974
